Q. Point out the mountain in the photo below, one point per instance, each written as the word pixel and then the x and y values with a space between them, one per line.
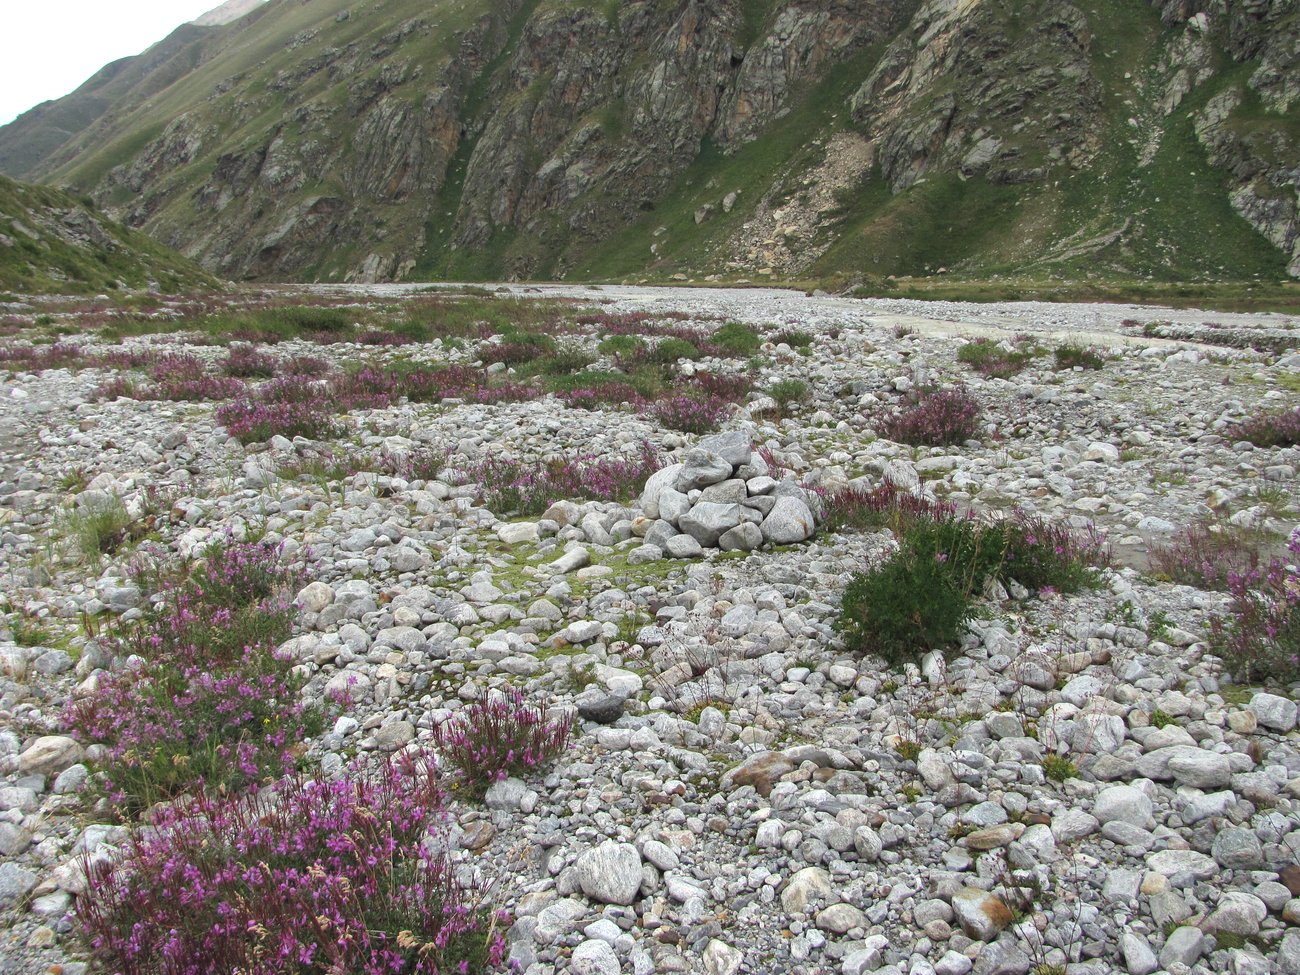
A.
pixel 51 242
pixel 331 140
pixel 229 11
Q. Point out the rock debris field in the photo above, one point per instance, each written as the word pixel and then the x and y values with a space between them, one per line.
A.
pixel 742 793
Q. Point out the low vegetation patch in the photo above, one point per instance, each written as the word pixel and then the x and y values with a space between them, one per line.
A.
pixel 1071 356
pixel 936 419
pixel 1207 553
pixel 212 704
pixel 1277 429
pixel 922 597
pixel 497 736
pixel 315 876
pixel 998 360
pixel 1259 640
pixel 516 487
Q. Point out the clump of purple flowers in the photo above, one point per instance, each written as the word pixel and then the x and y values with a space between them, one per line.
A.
pixel 312 878
pixel 290 406
pixel 1270 429
pixel 884 506
pixel 689 414
pixel 1260 641
pixel 212 701
pixel 527 488
pixel 249 362
pixel 497 736
pixel 1206 553
pixel 937 419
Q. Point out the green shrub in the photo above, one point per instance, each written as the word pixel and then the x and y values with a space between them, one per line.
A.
pixel 787 392
pixel 793 337
pixel 737 339
pixel 621 345
pixel 922 597
pixel 1070 355
pixel 669 351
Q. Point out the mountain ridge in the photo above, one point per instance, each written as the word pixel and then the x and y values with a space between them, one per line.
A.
pixel 552 138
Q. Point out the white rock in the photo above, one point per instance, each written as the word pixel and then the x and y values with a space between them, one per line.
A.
pixel 805 888
pixel 610 873
pixel 1273 711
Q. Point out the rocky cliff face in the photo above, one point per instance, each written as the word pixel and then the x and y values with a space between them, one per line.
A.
pixel 394 138
pixel 1248 127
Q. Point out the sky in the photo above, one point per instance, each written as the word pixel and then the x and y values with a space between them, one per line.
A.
pixel 49 47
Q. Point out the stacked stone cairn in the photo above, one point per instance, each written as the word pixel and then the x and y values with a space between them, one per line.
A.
pixel 722 495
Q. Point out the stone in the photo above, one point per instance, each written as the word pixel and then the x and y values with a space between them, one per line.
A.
pixel 1182 866
pixel 1098 734
pixel 571 561
pixel 953 963
pixel 707 521
pixel 761 770
pixel 1274 712
pixel 700 468
pixel 994 837
pixel 1288 953
pixel 15 883
pixel 50 755
pixel 509 794
pixel 599 705
pixel 1125 804
pixel 841 919
pixel 594 957
pixel 556 920
pixel 657 482
pixel 934 770
pixel 733 446
pixel 1002 957
pixel 1183 947
pixel 721 958
pixel 1237 912
pixel 610 873
pixel 394 735
pixel 13 840
pixel 660 855
pixel 980 914
pixel 1139 959
pixel 745 537
pixel 790 522
pixel 683 547
pixel 806 888
pixel 1238 848
pixel 672 505
pixel 1102 453
pixel 518 533
pixel 1187 765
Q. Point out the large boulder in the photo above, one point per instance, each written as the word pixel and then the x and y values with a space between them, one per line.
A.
pixel 700 468
pixel 707 521
pixel 791 521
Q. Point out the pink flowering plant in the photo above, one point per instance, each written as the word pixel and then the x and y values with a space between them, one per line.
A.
pixel 1209 553
pixel 1279 429
pixel 1260 640
pixel 936 419
pixel 510 487
pixel 497 736
pixel 212 702
pixel 308 878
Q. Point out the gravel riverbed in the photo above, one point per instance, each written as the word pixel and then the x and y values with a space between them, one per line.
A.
pixel 743 795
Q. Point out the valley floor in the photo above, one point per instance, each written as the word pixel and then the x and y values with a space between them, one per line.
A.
pixel 1083 788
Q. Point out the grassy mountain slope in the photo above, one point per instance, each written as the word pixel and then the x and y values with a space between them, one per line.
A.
pixel 52 242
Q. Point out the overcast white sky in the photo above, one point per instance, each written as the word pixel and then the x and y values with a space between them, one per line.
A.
pixel 49 47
